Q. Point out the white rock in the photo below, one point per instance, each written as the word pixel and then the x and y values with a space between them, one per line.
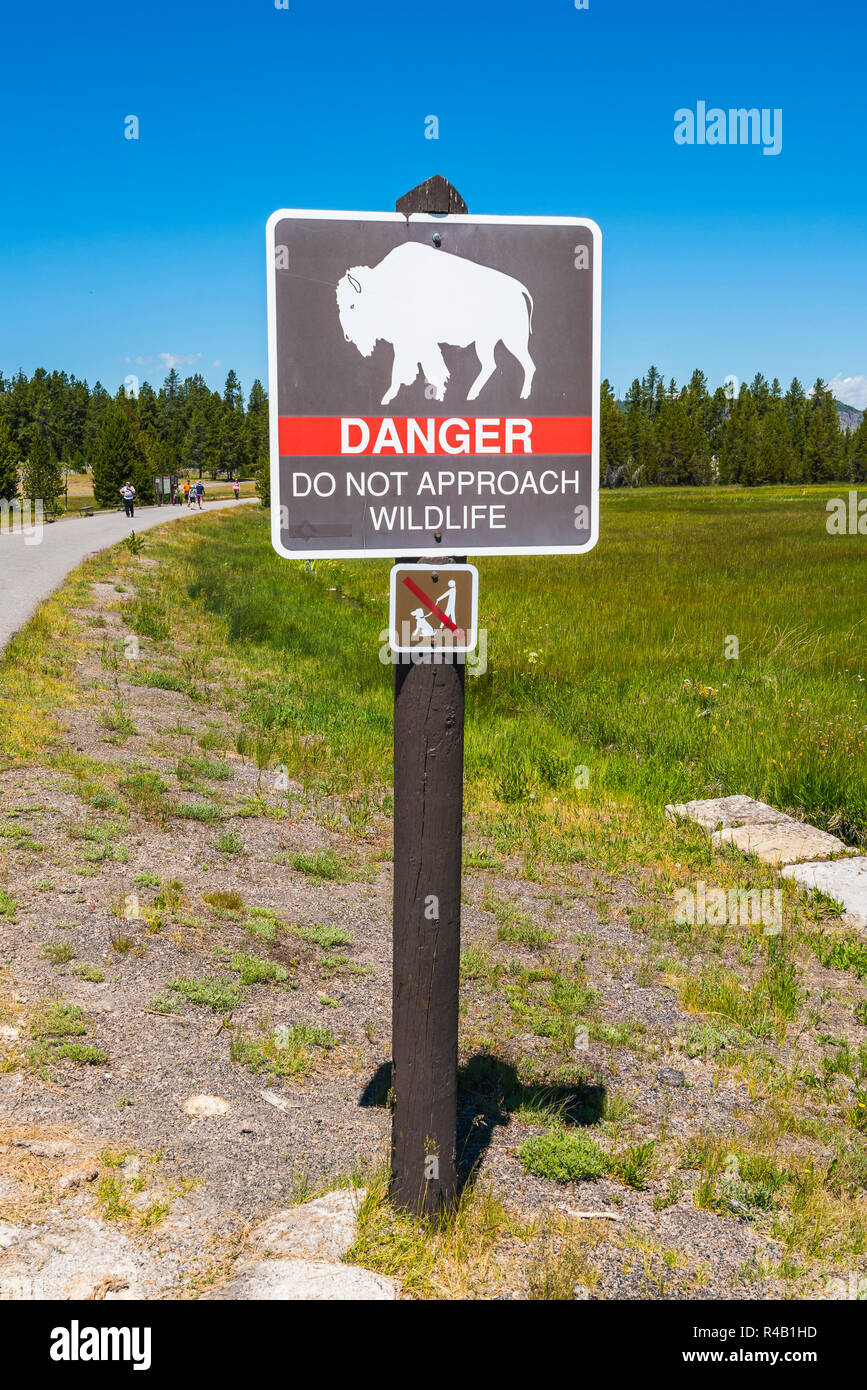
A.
pixel 781 842
pixel 306 1281
pixel 725 811
pixel 45 1148
pixel 81 1258
pixel 77 1178
pixel 756 828
pixel 8 1234
pixel 320 1230
pixel 206 1106
pixel 845 881
pixel 279 1102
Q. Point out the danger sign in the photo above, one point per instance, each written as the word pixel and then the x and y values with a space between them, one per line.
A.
pixel 434 382
pixel 433 607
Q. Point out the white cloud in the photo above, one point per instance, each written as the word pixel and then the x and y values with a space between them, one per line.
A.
pixel 851 390
pixel 179 359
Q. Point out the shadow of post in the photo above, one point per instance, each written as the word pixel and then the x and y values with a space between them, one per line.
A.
pixel 489 1092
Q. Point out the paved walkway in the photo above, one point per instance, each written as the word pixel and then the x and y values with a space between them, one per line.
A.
pixel 30 572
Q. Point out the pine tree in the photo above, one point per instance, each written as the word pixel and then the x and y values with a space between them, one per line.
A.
pixel 795 401
pixel 117 459
pixel 823 449
pixel 193 455
pixel 98 404
pixel 858 457
pixel 776 456
pixel 232 396
pixel 263 482
pixel 256 425
pixel 231 451
pixel 9 459
pixel 613 441
pixel 41 476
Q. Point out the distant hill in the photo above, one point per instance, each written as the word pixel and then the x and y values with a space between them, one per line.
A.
pixel 850 418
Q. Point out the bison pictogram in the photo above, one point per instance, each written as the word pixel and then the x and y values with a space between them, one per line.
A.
pixel 418 298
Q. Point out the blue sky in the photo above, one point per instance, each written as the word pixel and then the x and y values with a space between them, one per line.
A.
pixel 121 256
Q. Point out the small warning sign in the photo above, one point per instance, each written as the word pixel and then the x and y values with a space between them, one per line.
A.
pixel 434 607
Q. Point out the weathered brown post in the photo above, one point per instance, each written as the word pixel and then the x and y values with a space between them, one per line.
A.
pixel 428 814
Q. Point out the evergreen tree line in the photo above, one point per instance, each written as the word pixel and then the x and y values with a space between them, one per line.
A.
pixel 51 422
pixel 666 434
pixel 658 434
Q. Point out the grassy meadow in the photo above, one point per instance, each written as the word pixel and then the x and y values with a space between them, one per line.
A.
pixel 607 692
pixel 615 662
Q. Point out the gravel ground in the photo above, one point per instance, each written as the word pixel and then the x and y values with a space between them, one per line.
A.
pixel 125 1121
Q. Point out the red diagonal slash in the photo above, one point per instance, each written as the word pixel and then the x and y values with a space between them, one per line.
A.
pixel 428 603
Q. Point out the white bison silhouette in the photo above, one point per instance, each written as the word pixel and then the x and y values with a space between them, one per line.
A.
pixel 417 298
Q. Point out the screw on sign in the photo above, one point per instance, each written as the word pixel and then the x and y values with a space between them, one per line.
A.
pixel 434 390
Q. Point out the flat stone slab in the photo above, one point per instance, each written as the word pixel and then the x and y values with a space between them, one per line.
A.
pixel 320 1230
pixel 782 843
pixel 725 811
pixel 756 828
pixel 845 881
pixel 306 1280
pixel 79 1258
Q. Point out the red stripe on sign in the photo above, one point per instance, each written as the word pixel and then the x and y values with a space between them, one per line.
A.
pixel 386 436
pixel 429 604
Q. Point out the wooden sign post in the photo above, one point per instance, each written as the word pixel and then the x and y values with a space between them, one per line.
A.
pixel 428 822
pixel 434 386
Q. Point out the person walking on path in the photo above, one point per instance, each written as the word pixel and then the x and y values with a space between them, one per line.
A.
pixel 236 488
pixel 127 492
pixel 200 493
pixel 186 491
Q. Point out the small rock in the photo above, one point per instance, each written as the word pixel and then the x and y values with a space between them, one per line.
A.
pixel 83 1287
pixel 320 1230
pixel 279 1102
pixel 247 1129
pixel 77 1178
pixel 306 1281
pixel 204 1106
pixel 669 1076
pixel 9 1034
pixel 45 1148
pixel 8 1234
pixel 132 1167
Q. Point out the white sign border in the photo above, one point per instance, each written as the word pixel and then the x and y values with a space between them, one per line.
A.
pixel 440 219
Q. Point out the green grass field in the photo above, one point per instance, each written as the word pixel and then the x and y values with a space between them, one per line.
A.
pixel 614 662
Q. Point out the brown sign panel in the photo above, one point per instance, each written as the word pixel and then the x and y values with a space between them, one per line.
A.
pixel 434 383
pixel 433 607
